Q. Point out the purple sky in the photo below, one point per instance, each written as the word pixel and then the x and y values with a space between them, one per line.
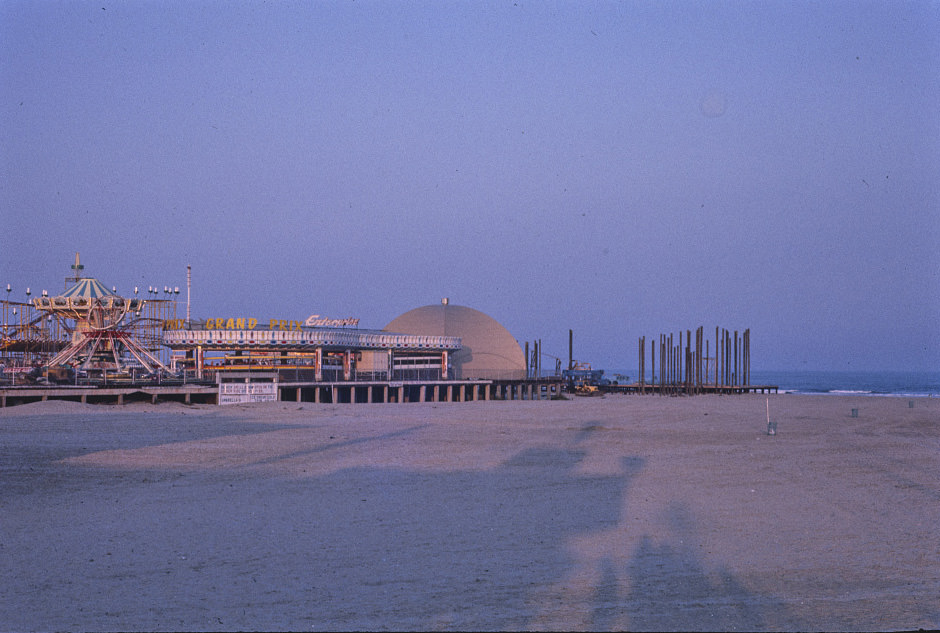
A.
pixel 619 169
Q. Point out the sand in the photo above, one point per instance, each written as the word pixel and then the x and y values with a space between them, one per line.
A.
pixel 622 512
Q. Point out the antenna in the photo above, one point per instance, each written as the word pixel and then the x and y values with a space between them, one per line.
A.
pixel 189 283
pixel 77 269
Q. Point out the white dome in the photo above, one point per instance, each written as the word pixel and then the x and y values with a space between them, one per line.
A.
pixel 488 350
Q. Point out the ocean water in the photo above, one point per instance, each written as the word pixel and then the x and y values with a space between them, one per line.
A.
pixel 864 383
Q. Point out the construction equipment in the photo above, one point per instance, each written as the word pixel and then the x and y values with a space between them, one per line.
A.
pixel 584 381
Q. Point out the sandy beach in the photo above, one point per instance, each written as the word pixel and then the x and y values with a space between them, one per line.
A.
pixel 622 512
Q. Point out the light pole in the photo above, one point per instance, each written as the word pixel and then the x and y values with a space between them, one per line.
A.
pixel 13 373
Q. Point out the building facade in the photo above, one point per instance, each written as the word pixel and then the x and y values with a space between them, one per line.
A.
pixel 330 352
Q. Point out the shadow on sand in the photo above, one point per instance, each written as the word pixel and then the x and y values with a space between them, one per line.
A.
pixel 671 589
pixel 371 548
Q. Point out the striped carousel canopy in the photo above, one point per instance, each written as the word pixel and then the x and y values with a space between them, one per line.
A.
pixel 87 289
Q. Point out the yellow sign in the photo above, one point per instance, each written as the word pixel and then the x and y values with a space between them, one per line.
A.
pixel 243 323
pixel 235 323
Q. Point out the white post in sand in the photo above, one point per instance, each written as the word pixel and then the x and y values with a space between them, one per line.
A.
pixel 771 426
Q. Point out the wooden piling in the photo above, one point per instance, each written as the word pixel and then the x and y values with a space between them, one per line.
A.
pixel 653 358
pixel 733 369
pixel 570 349
pixel 642 355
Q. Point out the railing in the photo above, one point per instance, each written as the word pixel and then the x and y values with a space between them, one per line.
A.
pixel 333 338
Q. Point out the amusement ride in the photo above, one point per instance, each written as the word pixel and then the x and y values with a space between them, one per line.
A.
pixel 88 327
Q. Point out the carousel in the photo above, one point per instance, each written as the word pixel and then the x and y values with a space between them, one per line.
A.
pixel 103 325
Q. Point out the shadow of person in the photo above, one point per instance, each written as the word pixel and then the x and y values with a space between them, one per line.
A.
pixel 671 588
pixel 459 549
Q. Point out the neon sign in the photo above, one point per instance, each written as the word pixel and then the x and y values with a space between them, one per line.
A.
pixel 314 320
pixel 243 323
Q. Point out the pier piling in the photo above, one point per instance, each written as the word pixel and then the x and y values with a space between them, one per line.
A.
pixel 687 365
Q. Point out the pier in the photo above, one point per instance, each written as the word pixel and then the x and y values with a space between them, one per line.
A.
pixel 269 388
pixel 689 364
pixel 671 390
pixel 186 394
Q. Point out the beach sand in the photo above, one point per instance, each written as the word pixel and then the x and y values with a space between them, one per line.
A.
pixel 622 512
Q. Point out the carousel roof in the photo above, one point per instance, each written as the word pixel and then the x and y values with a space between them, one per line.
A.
pixel 87 288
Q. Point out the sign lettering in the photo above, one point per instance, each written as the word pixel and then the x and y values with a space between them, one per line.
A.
pixel 243 323
pixel 314 320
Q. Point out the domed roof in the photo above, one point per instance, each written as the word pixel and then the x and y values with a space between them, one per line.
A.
pixel 88 288
pixel 487 351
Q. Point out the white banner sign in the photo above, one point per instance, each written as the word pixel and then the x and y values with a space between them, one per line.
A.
pixel 241 392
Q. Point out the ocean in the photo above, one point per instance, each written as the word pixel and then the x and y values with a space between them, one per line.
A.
pixel 857 383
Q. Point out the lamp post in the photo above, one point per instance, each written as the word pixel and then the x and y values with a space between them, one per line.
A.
pixel 13 373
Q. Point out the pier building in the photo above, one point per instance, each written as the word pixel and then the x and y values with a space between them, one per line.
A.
pixel 328 352
pixel 487 349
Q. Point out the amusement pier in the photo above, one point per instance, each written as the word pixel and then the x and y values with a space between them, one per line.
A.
pixel 92 345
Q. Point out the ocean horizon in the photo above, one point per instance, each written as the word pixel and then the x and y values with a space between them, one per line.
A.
pixel 858 383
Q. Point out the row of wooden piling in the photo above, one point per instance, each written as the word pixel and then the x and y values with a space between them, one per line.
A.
pixel 688 364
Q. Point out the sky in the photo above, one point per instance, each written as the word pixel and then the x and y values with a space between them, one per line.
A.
pixel 618 169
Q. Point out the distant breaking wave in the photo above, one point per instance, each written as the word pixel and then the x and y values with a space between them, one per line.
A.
pixel 899 384
pixel 844 383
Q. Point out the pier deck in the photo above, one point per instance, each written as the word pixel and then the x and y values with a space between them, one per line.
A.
pixel 355 392
pixel 296 391
pixel 683 389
